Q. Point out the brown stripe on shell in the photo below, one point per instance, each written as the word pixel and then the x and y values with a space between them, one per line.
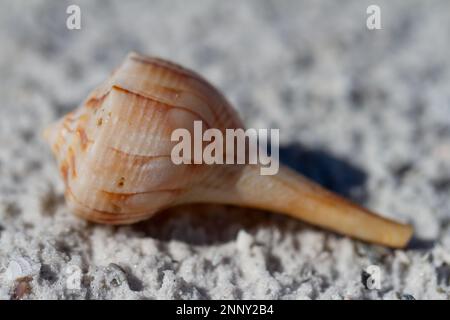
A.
pixel 139 159
pixel 170 66
pixel 71 162
pixel 124 196
pixel 95 101
pixel 84 140
pixel 140 95
pixel 109 217
pixel 64 170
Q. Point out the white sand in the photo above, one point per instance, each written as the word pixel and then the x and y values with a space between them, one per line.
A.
pixel 371 111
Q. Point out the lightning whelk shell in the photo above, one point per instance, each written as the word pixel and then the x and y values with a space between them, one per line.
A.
pixel 114 155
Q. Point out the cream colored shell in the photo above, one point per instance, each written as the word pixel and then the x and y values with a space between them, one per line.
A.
pixel 114 152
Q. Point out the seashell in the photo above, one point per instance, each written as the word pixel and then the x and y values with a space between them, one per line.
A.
pixel 114 156
pixel 20 267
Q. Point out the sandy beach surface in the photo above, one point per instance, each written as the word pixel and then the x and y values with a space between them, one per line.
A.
pixel 364 113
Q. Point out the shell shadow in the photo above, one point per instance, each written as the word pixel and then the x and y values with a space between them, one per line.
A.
pixel 208 224
pixel 201 224
pixel 333 173
pixel 420 244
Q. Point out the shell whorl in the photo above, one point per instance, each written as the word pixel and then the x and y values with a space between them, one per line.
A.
pixel 114 150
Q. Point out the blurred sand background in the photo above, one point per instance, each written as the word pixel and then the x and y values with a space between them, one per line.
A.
pixel 364 113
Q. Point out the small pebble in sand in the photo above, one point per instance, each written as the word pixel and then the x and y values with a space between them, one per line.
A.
pixel 22 288
pixel 115 275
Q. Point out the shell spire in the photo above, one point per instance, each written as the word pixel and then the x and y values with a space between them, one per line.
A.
pixel 114 154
